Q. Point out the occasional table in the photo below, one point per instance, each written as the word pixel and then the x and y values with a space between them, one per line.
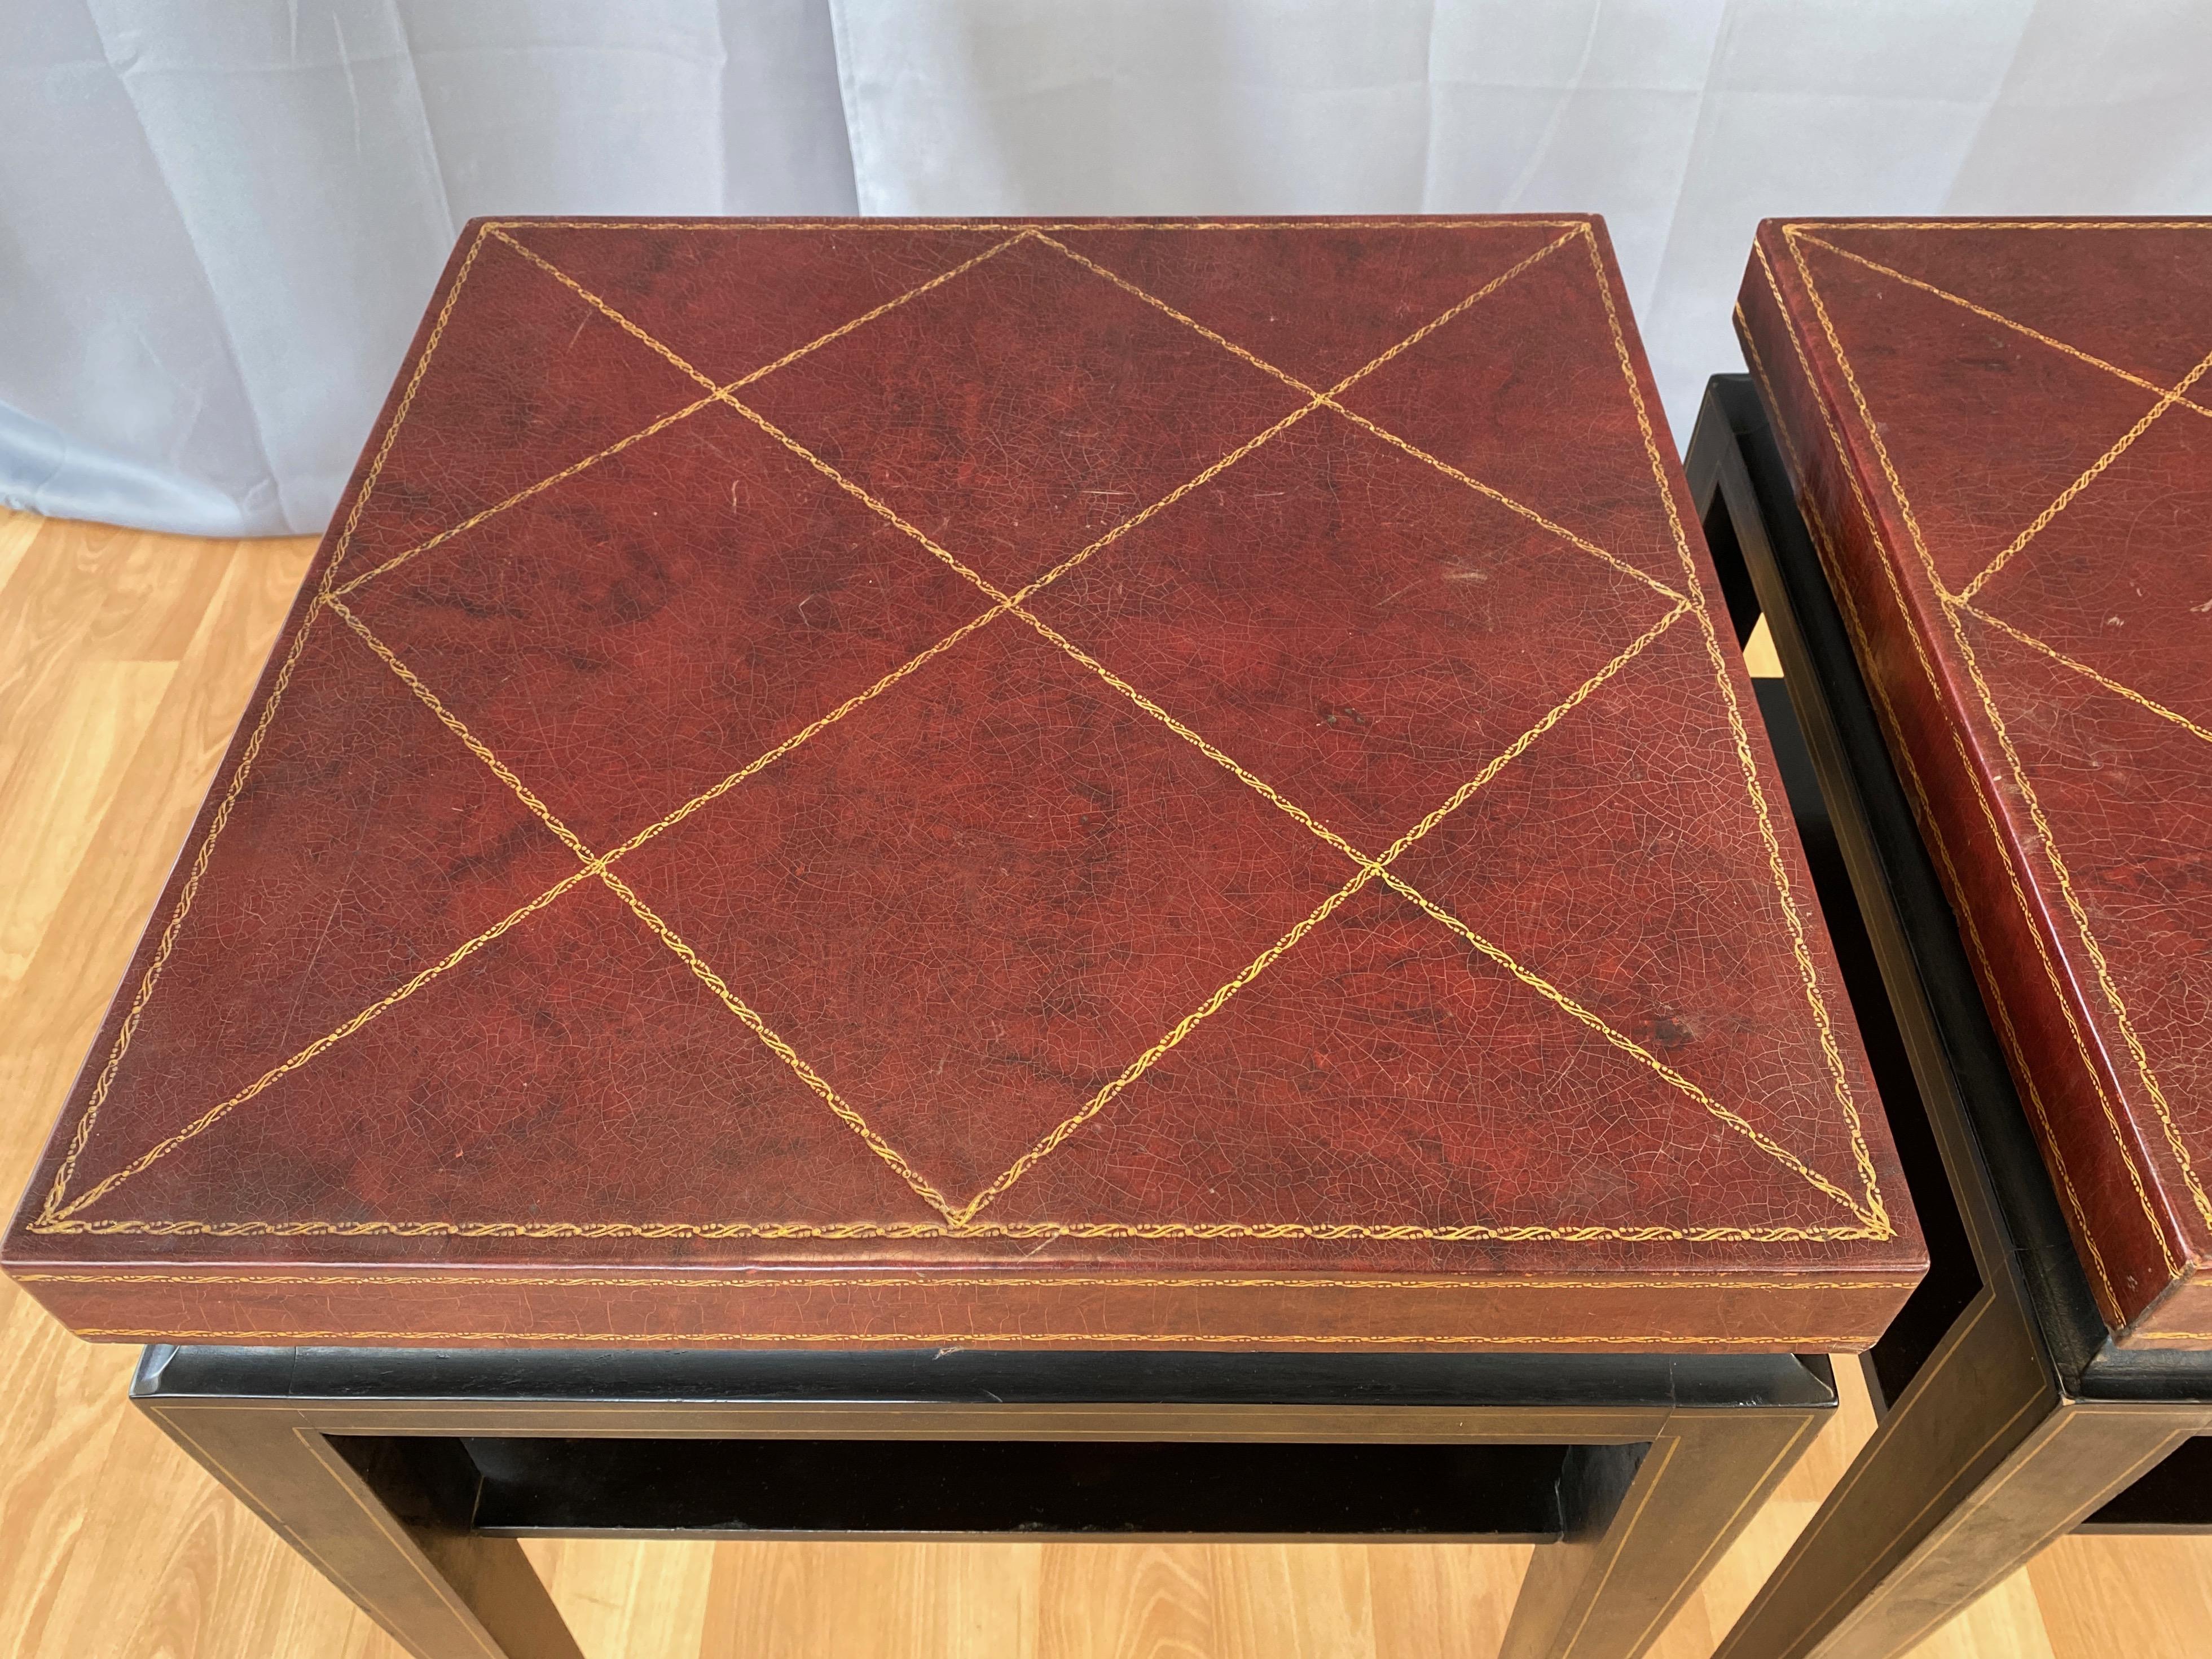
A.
pixel 2002 447
pixel 1042 832
pixel 2008 1416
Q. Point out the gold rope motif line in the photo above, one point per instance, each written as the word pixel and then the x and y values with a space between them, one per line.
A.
pixel 783 1051
pixel 276 1073
pixel 1998 317
pixel 461 953
pixel 613 316
pixel 1931 829
pixel 1328 399
pixel 1628 1046
pixel 453 723
pixel 2020 779
pixel 1511 505
pixel 523 495
pixel 1777 869
pixel 1371 1232
pixel 2089 476
pixel 691 959
pixel 2087 672
pixel 1372 868
pixel 592 865
pixel 673 415
pixel 1058 1135
pixel 2058 862
pixel 52 1206
pixel 1267 367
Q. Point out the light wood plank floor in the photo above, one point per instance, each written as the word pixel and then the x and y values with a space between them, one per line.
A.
pixel 125 658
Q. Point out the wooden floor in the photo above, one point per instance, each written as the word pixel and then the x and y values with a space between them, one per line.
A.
pixel 125 658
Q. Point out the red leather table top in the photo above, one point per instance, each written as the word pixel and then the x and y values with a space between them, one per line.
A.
pixel 954 782
pixel 2002 436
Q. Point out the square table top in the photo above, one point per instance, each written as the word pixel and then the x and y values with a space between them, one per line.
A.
pixel 1095 782
pixel 2002 437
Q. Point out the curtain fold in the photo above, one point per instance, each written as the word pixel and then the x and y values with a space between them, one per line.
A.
pixel 218 223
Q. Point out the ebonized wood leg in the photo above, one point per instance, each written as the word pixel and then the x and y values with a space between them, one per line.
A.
pixel 1978 1467
pixel 1644 1532
pixel 380 1535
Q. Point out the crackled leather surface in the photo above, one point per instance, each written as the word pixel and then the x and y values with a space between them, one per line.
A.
pixel 1070 783
pixel 2003 437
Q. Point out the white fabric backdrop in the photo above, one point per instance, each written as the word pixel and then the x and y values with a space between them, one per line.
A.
pixel 218 221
